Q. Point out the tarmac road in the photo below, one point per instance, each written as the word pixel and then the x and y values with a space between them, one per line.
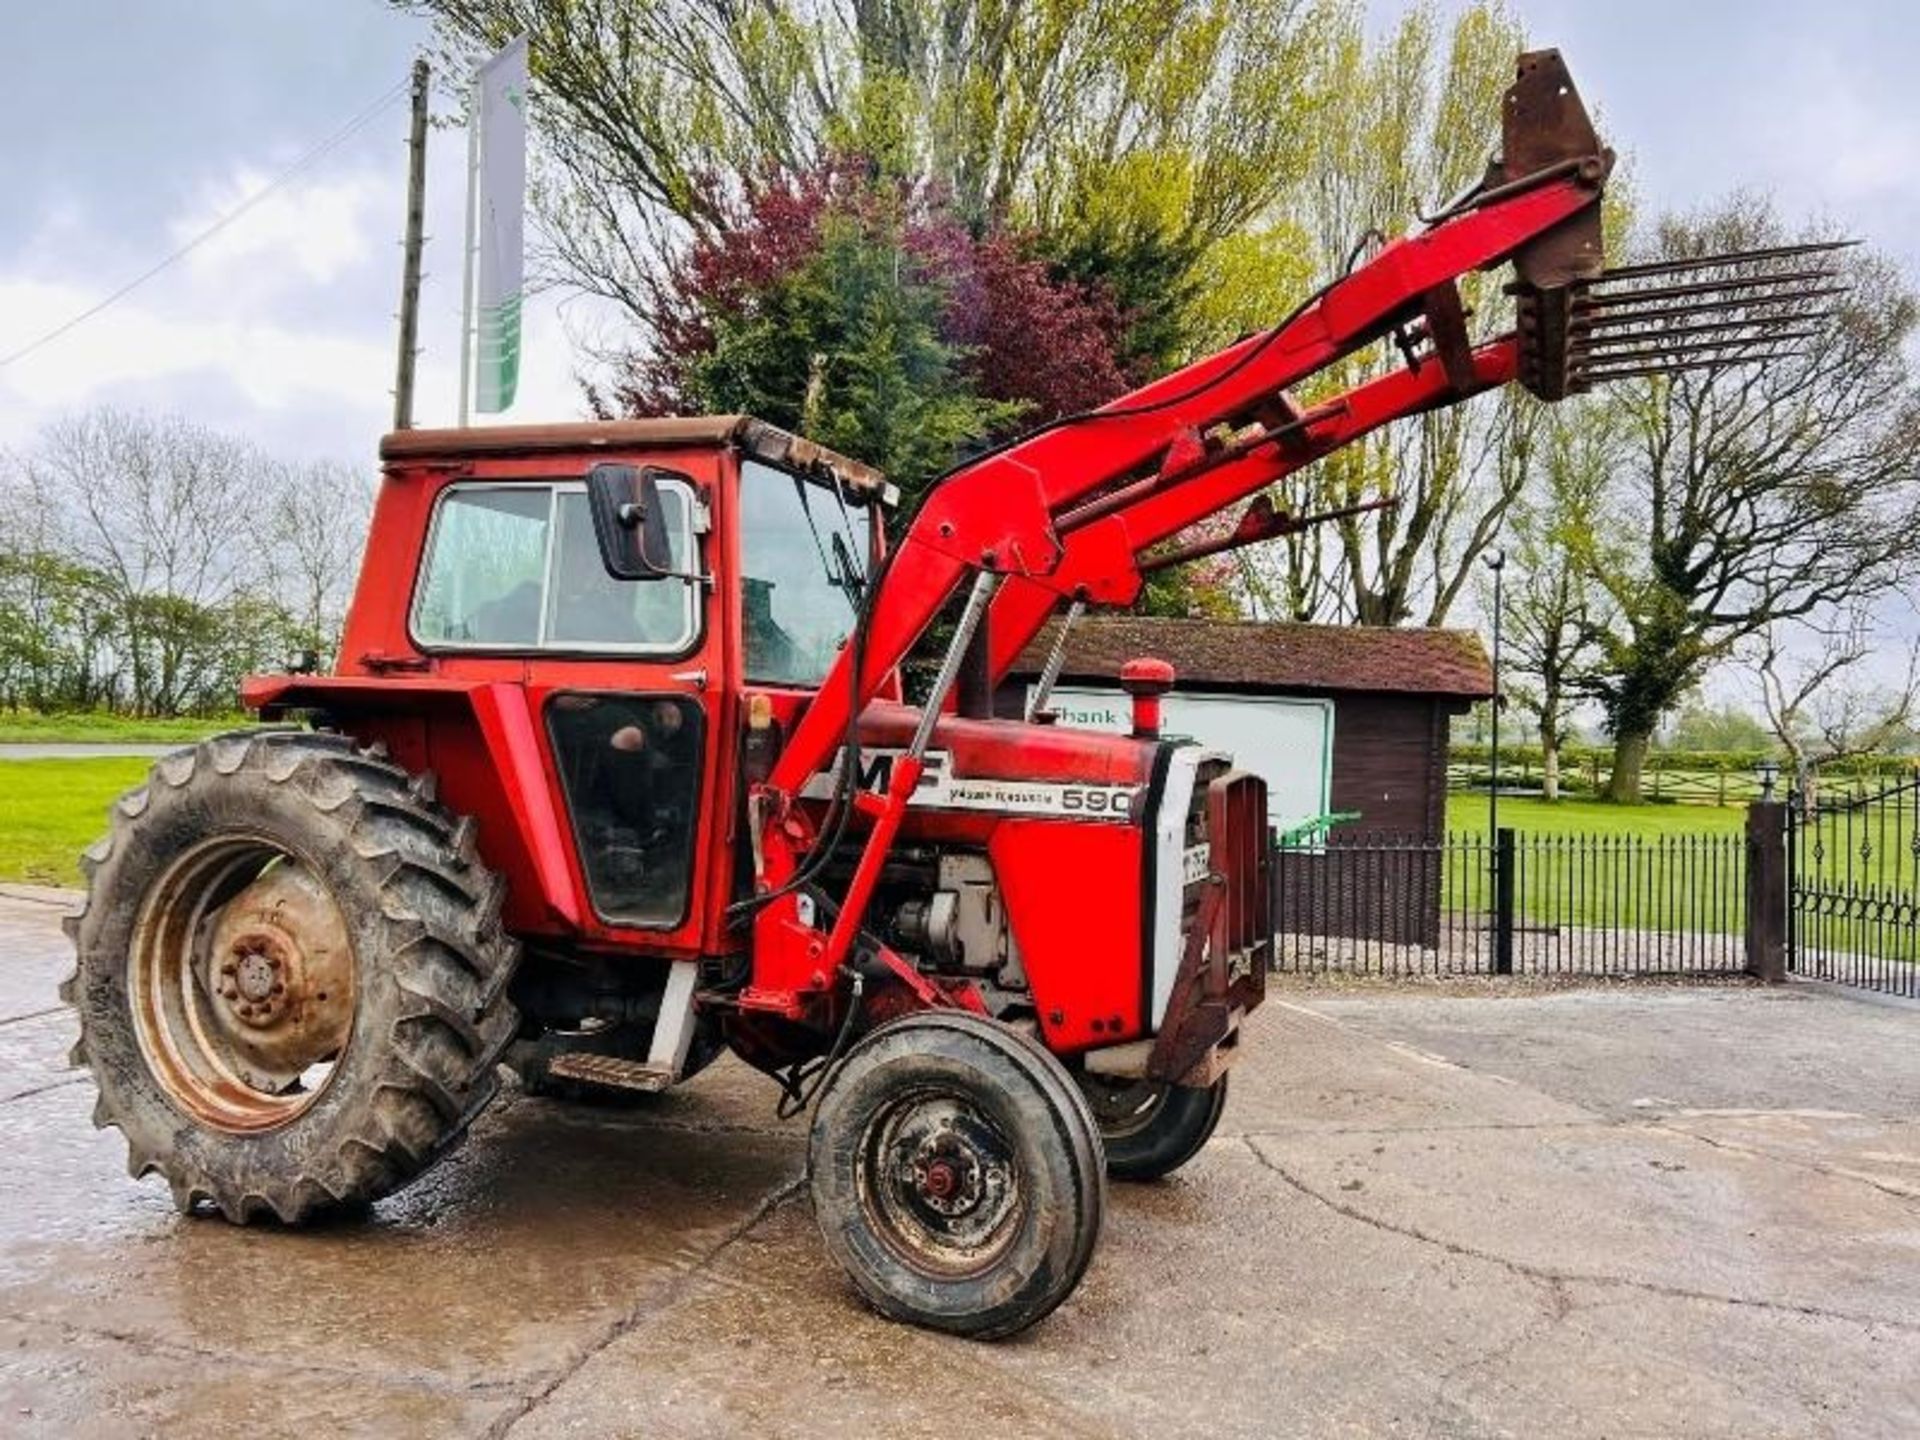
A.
pixel 1616 1212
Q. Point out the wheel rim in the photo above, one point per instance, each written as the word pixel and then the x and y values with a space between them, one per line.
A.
pixel 940 1184
pixel 242 984
pixel 1124 1108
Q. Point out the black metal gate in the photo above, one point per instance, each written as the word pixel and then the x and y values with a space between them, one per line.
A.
pixel 1853 886
pixel 1518 903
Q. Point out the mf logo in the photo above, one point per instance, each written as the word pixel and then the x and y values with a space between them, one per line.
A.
pixel 941 789
pixel 876 769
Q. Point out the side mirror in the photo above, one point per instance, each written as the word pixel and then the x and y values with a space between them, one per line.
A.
pixel 629 522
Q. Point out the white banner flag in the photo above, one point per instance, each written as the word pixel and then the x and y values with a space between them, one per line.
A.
pixel 499 112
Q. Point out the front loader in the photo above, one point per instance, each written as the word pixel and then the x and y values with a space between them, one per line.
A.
pixel 616 771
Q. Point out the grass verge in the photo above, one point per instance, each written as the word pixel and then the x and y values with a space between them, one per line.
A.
pixel 1468 814
pixel 26 727
pixel 51 810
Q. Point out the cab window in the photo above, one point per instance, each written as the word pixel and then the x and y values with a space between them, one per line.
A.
pixel 796 607
pixel 516 567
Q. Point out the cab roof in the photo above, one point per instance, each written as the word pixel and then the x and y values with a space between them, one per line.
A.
pixel 754 437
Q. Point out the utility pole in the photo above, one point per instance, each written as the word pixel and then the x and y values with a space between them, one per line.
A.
pixel 410 262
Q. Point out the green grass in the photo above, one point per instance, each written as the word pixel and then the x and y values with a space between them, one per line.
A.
pixel 1592 863
pixel 1468 814
pixel 26 727
pixel 51 810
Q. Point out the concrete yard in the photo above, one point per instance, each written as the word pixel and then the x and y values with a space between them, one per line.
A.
pixel 1460 1212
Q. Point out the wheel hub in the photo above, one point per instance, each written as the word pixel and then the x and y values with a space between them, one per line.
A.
pixel 949 1173
pixel 277 982
pixel 253 978
pixel 945 1189
pixel 244 991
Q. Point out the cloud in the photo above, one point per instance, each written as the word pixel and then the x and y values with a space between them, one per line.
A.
pixel 270 364
pixel 1840 133
pixel 309 232
pixel 239 313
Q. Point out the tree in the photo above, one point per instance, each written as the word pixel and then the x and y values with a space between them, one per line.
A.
pixel 1723 727
pixel 865 315
pixel 154 562
pixel 312 525
pixel 1552 609
pixel 157 509
pixel 1819 707
pixel 1752 496
pixel 1404 122
pixel 653 119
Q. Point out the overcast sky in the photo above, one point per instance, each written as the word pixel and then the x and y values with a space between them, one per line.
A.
pixel 129 126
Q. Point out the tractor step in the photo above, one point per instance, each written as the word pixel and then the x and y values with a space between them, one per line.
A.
pixel 610 1071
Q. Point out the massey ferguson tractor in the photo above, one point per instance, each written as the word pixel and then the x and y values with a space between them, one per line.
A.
pixel 616 771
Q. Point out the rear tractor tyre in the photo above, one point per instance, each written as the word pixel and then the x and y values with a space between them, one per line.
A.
pixel 292 975
pixel 1151 1128
pixel 957 1174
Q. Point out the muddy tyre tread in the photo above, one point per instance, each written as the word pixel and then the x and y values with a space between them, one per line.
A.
pixel 434 965
pixel 1000 1304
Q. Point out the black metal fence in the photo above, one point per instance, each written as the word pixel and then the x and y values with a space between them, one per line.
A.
pixel 1853 886
pixel 1513 903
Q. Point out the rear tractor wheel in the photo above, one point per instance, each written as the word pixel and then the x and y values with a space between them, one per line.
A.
pixel 957 1174
pixel 291 975
pixel 1151 1128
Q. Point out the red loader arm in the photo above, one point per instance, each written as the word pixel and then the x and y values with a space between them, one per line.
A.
pixel 1068 511
pixel 1021 511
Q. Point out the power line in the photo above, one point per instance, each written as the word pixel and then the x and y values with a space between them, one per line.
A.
pixel 325 147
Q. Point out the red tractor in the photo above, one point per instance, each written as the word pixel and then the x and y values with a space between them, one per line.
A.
pixel 615 772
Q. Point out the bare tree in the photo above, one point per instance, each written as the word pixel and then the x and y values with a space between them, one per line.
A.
pixel 1817 704
pixel 312 525
pixel 155 561
pixel 157 507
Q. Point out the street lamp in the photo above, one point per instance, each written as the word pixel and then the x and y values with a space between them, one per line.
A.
pixel 1769 772
pixel 1497 563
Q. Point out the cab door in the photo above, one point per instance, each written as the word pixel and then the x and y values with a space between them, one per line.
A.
pixel 616 682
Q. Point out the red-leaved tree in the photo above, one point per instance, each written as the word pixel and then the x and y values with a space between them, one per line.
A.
pixel 1005 329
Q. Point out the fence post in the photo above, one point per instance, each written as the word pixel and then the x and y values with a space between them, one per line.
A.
pixel 1503 901
pixel 1767 891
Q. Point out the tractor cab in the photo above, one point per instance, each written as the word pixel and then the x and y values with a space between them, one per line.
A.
pixel 494 569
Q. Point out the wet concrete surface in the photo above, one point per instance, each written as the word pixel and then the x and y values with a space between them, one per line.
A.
pixel 1592 1213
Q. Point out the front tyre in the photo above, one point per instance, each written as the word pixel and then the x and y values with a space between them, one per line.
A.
pixel 1151 1128
pixel 957 1174
pixel 291 975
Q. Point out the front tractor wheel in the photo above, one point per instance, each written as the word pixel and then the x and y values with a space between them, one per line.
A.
pixel 1150 1128
pixel 957 1174
pixel 291 975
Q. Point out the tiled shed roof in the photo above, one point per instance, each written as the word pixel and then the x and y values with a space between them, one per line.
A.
pixel 1256 655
